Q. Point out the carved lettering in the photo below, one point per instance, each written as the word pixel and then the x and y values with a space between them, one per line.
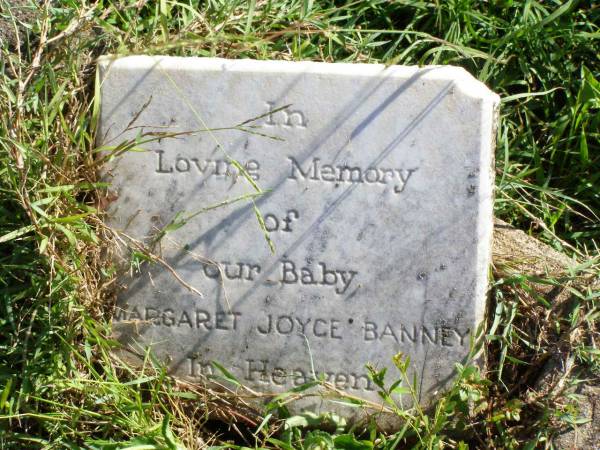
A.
pixel 340 280
pixel 316 171
pixel 199 319
pixel 241 271
pixel 284 117
pixel 198 367
pixel 423 335
pixel 260 371
pixel 274 223
pixel 287 324
pixel 218 168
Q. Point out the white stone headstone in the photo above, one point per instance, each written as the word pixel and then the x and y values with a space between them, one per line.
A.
pixel 375 187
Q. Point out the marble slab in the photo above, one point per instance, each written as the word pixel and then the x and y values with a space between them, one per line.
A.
pixel 308 218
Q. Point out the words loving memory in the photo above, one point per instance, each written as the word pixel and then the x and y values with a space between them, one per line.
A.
pixel 309 171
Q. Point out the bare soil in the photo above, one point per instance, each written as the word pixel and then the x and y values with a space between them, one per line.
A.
pixel 516 252
pixel 14 14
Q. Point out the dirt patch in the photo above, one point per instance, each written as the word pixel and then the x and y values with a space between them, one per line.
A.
pixel 516 253
pixel 16 16
pixel 587 435
pixel 514 250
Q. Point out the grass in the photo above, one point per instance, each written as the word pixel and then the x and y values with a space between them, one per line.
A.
pixel 60 387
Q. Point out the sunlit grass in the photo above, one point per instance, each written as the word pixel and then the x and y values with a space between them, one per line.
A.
pixel 60 385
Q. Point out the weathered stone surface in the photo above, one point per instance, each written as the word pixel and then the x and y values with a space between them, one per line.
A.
pixel 378 201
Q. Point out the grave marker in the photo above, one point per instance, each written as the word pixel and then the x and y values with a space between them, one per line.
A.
pixel 377 196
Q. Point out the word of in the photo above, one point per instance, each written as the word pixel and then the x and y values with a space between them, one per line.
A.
pixel 272 223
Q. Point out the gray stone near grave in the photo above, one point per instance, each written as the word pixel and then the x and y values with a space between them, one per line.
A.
pixel 376 191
